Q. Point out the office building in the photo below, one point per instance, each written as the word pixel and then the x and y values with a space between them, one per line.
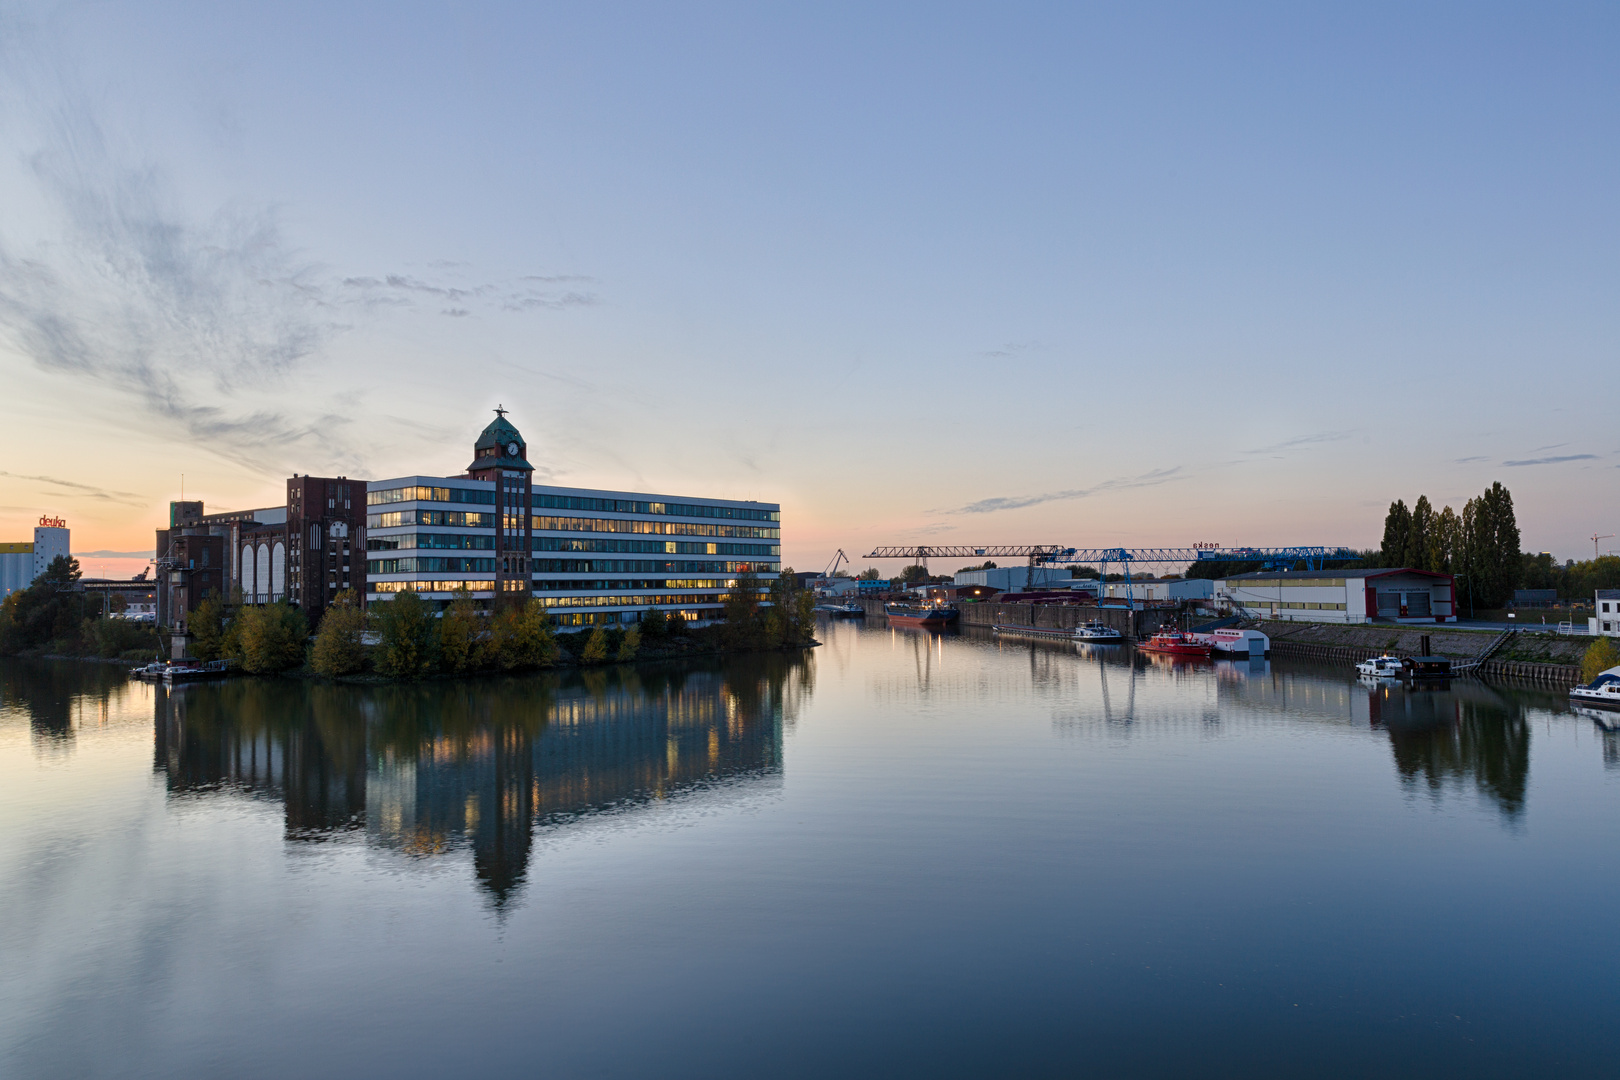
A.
pixel 594 556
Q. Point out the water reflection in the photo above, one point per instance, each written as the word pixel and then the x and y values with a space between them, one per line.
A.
pixel 58 696
pixel 428 769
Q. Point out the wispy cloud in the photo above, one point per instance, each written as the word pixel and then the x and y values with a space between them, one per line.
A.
pixel 1301 440
pixel 1018 502
pixel 530 292
pixel 147 554
pixel 1553 460
pixel 1471 460
pixel 84 491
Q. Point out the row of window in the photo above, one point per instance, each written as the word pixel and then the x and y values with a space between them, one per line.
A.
pixel 572 502
pixel 454 542
pixel 653 547
pixel 431 565
pixel 430 586
pixel 648 566
pixel 626 506
pixel 657 528
pixel 641 600
pixel 1290 583
pixel 429 494
pixel 554 585
pixel 1291 605
pixel 466 519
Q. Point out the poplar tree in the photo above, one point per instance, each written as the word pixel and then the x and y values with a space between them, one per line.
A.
pixel 1397 524
pixel 1415 551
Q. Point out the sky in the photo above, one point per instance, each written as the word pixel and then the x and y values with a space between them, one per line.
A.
pixel 1076 274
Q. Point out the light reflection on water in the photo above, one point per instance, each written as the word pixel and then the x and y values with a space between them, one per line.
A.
pixel 905 853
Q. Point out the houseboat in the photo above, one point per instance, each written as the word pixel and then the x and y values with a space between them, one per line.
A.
pixel 1230 641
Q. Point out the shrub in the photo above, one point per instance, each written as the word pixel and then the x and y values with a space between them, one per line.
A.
pixel 272 637
pixel 409 637
pixel 338 649
pixel 629 645
pixel 207 626
pixel 1600 656
pixel 459 630
pixel 595 650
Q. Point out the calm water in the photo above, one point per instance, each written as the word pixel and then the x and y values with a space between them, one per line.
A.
pixel 901 855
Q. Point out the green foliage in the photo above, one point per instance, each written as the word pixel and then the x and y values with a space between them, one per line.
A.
pixel 207 626
pixel 273 637
pixel 50 613
pixel 628 645
pixel 410 637
pixel 654 627
pixel 460 628
pixel 530 644
pixel 742 622
pixel 1600 656
pixel 1481 545
pixel 116 637
pixel 915 574
pixel 595 650
pixel 338 649
pixel 870 574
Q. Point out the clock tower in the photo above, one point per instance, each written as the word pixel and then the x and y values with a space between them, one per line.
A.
pixel 500 455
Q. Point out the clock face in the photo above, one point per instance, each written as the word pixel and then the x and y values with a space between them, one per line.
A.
pixel 512 449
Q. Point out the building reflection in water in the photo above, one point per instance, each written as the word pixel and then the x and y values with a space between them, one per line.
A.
pixel 431 768
pixel 59 696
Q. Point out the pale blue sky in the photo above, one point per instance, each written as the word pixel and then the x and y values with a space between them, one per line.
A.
pixel 1001 273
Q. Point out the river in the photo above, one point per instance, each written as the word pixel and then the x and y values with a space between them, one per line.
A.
pixel 900 854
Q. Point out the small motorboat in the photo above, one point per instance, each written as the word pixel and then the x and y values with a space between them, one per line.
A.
pixel 1603 691
pixel 1174 643
pixel 1382 667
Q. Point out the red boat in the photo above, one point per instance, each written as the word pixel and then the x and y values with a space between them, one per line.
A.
pixel 1175 643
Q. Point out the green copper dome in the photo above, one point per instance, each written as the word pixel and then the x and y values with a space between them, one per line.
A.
pixel 493 448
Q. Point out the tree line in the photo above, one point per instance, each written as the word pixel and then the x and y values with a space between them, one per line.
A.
pixel 55 615
pixel 1480 545
pixel 405 638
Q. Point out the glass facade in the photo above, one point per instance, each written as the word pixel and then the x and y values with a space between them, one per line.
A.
pixel 719 541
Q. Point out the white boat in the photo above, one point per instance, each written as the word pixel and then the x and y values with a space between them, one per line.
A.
pixel 1603 691
pixel 1231 641
pixel 1382 667
pixel 1090 633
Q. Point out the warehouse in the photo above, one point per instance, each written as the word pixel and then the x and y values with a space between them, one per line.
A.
pixel 1342 596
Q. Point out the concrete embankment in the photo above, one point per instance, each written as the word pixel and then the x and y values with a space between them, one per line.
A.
pixel 1534 657
pixel 1530 656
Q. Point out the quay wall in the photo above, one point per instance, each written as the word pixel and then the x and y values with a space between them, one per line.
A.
pixel 1529 657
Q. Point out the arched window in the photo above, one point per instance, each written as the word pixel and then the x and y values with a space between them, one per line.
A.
pixel 278 572
pixel 262 575
pixel 246 567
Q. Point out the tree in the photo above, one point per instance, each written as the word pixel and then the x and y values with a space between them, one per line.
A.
pixel 409 637
pixel 1600 656
pixel 1397 525
pixel 742 628
pixel 1491 560
pixel 1445 540
pixel 1415 551
pixel 914 574
pixel 459 630
pixel 870 574
pixel 532 643
pixel 628 646
pixel 273 637
pixel 595 647
pixel 654 626
pixel 338 647
pixel 207 627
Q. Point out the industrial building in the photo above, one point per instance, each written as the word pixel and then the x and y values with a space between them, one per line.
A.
pixel 1159 591
pixel 1019 578
pixel 23 561
pixel 305 552
pixel 593 556
pixel 1341 596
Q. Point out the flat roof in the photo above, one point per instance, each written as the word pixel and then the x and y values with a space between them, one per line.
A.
pixel 1372 572
pixel 548 489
